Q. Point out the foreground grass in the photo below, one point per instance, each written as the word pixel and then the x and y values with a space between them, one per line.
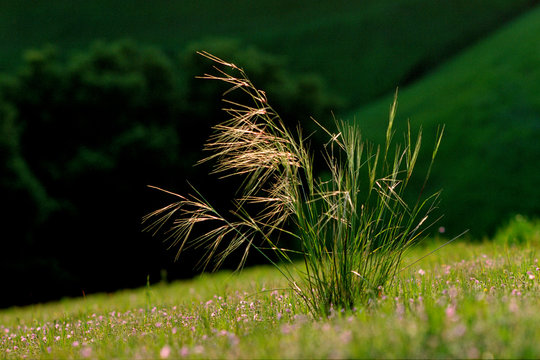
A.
pixel 467 300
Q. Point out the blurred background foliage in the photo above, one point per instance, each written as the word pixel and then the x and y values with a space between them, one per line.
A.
pixel 83 134
pixel 88 119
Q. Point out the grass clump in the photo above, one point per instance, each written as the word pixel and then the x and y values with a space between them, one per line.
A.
pixel 352 228
pixel 519 230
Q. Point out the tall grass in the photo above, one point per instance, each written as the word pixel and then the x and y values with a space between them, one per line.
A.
pixel 352 227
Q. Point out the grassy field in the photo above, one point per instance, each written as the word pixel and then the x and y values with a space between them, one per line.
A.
pixel 488 99
pixel 467 300
pixel 470 299
pixel 381 44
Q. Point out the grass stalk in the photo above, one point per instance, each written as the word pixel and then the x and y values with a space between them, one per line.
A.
pixel 352 228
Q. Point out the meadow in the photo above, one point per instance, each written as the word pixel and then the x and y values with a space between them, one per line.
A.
pixel 467 300
pixel 370 289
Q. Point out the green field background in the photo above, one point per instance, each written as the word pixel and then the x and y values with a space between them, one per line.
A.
pixel 99 99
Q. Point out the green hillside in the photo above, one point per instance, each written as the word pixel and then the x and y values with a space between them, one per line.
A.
pixel 489 99
pixel 361 48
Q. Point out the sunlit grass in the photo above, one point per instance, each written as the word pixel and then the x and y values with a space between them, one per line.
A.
pixel 352 228
pixel 464 301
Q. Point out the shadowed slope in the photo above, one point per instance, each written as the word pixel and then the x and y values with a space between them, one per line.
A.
pixel 489 99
